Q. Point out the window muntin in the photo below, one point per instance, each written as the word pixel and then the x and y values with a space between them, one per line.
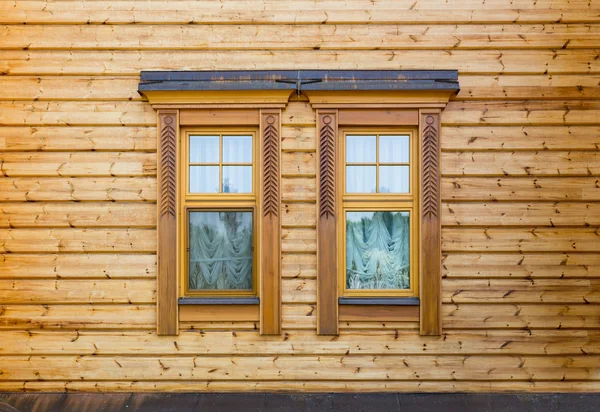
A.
pixel 377 163
pixel 220 227
pixel 378 230
pixel 220 163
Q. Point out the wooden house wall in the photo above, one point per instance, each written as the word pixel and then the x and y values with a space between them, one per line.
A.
pixel 520 195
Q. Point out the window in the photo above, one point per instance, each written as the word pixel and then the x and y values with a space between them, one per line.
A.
pixel 220 225
pixel 379 225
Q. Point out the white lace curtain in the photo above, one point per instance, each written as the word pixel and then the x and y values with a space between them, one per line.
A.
pixel 220 250
pixel 377 250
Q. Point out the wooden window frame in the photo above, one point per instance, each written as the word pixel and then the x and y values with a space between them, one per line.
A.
pixel 379 202
pixel 233 202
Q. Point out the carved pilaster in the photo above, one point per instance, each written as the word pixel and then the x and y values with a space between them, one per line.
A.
pixel 430 276
pixel 327 305
pixel 167 316
pixel 270 297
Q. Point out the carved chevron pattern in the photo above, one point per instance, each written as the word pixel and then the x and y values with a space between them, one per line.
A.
pixel 270 167
pixel 168 175
pixel 430 183
pixel 327 168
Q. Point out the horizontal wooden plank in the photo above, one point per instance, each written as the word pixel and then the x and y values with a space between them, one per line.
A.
pixel 299 189
pixel 297 214
pixel 531 112
pixel 86 113
pixel 299 265
pixel 521 265
pixel 380 343
pixel 298 37
pixel 32 189
pixel 299 290
pixel 517 87
pixel 520 291
pixel 521 239
pixel 69 88
pixel 17 164
pixel 521 138
pixel 84 266
pixel 298 163
pixel 224 313
pixel 301 12
pixel 52 215
pixel 520 316
pixel 542 163
pixel 78 316
pixel 379 313
pixel 219 117
pixel 296 138
pixel 521 188
pixel 349 387
pixel 93 138
pixel 298 113
pixel 298 240
pixel 520 214
pixel 284 367
pixel 14 292
pixel 117 63
pixel 77 240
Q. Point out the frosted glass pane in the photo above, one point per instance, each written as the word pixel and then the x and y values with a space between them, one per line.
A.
pixel 204 179
pixel 360 179
pixel 220 254
pixel 204 149
pixel 377 250
pixel 237 179
pixel 394 149
pixel 394 179
pixel 237 149
pixel 361 149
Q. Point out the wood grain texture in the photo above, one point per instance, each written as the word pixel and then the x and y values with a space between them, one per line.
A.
pixel 270 296
pixel 167 307
pixel 327 305
pixel 430 249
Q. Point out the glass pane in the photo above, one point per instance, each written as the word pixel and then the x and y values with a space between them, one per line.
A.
pixel 237 179
pixel 360 179
pixel 377 250
pixel 394 149
pixel 361 149
pixel 394 179
pixel 204 179
pixel 204 149
pixel 220 254
pixel 237 149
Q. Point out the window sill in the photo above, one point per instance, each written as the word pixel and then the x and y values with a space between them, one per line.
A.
pixel 220 301
pixel 380 301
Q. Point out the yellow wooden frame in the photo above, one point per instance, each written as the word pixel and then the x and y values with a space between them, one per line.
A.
pixel 217 202
pixel 394 202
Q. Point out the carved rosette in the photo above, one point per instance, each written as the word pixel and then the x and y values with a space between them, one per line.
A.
pixel 327 166
pixel 270 136
pixel 168 166
pixel 431 169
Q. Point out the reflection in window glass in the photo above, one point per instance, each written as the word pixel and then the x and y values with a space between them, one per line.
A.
pixel 394 149
pixel 394 179
pixel 204 149
pixel 204 179
pixel 360 179
pixel 237 149
pixel 361 149
pixel 220 251
pixel 237 179
pixel 377 250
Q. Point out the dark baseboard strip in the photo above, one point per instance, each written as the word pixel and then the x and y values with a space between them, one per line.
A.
pixel 327 402
pixel 380 301
pixel 219 301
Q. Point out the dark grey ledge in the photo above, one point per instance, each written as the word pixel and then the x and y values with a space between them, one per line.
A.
pixel 220 301
pixel 330 80
pixel 380 301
